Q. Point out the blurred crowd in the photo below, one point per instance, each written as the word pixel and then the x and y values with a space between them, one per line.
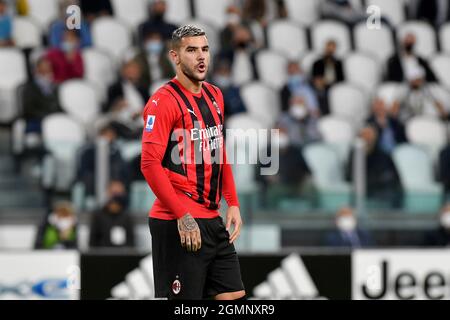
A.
pixel 304 99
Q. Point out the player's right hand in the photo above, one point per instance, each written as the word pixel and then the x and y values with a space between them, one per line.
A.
pixel 189 233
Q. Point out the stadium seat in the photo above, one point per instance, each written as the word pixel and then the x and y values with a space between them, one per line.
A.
pixel 377 42
pixel 328 177
pixel 441 66
pixel 62 137
pixel 339 133
pixel 362 70
pixel 307 61
pixel 213 12
pixel 325 30
pixel 394 11
pixel 441 94
pixel 177 11
pixel 132 12
pixel 80 100
pixel 391 92
pixel 261 102
pixel 429 133
pixel 444 37
pixel 12 73
pixel 287 37
pixel 141 197
pixel 305 12
pixel 425 35
pixel 99 69
pixel 110 35
pixel 26 33
pixel 349 102
pixel 272 68
pixel 421 192
pixel 43 11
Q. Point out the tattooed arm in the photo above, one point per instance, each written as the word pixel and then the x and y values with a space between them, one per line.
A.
pixel 189 233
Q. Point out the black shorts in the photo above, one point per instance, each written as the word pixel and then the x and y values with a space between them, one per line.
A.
pixel 179 274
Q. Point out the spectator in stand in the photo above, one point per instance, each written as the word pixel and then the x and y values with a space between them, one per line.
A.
pixel 347 233
pixel 405 61
pixel 59 230
pixel 328 68
pixel 57 28
pixel 112 226
pixel 389 130
pixel 256 15
pixel 67 62
pixel 95 9
pixel 156 22
pixel 342 10
pixel 298 86
pixel 434 12
pixel 419 99
pixel 39 96
pixel 382 181
pixel 153 60
pixel 5 25
pixel 440 237
pixel 87 161
pixel 234 19
pixel 231 93
pixel 126 100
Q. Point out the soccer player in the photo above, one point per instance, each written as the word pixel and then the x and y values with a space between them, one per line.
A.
pixel 184 163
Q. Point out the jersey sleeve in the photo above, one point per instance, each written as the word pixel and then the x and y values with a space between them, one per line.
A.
pixel 160 115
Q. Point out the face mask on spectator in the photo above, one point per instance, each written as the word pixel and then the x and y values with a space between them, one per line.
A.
pixel 409 47
pixel 233 18
pixel 61 223
pixel 154 46
pixel 298 111
pixel 68 46
pixel 44 81
pixel 445 220
pixel 295 80
pixel 222 81
pixel 283 140
pixel 346 223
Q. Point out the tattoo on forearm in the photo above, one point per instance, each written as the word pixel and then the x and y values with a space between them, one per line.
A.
pixel 187 224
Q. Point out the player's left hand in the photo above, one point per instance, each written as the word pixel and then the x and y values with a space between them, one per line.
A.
pixel 234 217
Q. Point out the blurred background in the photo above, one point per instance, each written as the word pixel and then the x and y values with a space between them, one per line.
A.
pixel 358 89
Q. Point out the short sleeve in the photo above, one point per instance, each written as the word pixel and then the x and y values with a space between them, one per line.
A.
pixel 160 117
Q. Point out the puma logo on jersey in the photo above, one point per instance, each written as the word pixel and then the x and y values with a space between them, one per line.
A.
pixel 192 111
pixel 155 102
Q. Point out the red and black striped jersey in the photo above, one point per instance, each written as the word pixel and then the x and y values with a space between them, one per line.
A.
pixel 190 127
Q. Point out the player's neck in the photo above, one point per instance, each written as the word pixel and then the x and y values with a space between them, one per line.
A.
pixel 192 86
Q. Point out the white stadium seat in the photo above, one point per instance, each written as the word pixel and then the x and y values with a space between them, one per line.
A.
pixel 287 37
pixel 26 33
pixel 362 70
pixel 394 11
pixel 43 11
pixel 99 69
pixel 425 37
pixel 428 132
pixel 262 102
pixel 213 12
pixel 337 132
pixel 62 136
pixel 305 12
pixel 378 42
pixel 272 68
pixel 177 11
pixel 111 36
pixel 391 92
pixel 349 102
pixel 132 12
pixel 421 192
pixel 325 30
pixel 328 175
pixel 12 73
pixel 79 99
pixel 444 37
pixel 441 66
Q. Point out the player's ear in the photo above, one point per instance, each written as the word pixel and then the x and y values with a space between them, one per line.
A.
pixel 174 56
